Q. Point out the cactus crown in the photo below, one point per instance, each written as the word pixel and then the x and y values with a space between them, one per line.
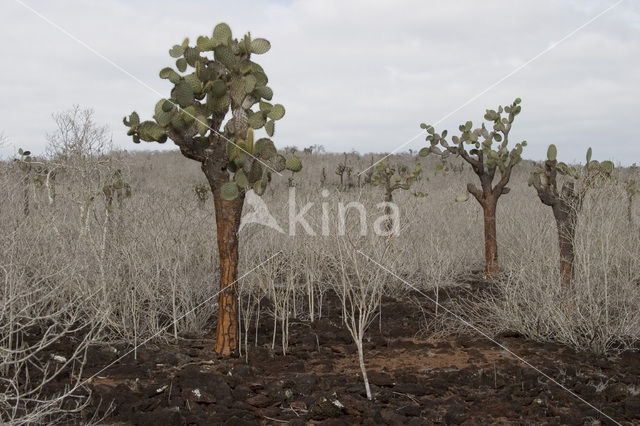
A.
pixel 594 172
pixel 204 91
pixel 398 177
pixel 481 139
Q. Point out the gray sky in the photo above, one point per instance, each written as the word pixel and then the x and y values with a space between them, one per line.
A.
pixel 352 74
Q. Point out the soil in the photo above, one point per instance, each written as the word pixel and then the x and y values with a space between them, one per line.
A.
pixel 415 379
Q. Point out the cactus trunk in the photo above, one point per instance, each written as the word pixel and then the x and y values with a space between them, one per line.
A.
pixel 228 215
pixel 565 217
pixel 490 239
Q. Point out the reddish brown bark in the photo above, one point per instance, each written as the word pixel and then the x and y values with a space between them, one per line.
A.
pixel 566 217
pixel 490 239
pixel 565 206
pixel 228 214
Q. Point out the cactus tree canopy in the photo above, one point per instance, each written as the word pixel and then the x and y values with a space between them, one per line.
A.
pixel 212 79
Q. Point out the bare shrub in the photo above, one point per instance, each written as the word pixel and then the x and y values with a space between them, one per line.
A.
pixel 599 313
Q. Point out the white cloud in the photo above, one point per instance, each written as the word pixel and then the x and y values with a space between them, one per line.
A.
pixel 353 74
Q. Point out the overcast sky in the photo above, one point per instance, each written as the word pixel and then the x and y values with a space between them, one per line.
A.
pixel 353 75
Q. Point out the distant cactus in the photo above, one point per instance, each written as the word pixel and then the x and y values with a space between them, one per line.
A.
pixel 116 189
pixel 485 159
pixel 566 203
pixel 393 178
pixel 341 169
pixel 193 116
pixel 202 191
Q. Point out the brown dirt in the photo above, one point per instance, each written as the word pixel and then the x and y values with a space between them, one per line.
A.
pixel 448 380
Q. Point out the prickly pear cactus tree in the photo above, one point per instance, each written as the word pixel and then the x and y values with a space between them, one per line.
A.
pixel 487 151
pixel 391 179
pixel 341 169
pixel 566 203
pixel 213 80
pixel 115 189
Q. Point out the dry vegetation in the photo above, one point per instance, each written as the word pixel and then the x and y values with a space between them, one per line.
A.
pixel 77 265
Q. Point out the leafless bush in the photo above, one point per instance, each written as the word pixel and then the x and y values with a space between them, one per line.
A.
pixel 600 313
pixel 44 330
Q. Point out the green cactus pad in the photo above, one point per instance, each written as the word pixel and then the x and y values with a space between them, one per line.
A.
pixel 259 187
pixel 424 152
pixel 241 179
pixel 181 64
pixel 218 88
pixel 293 164
pixel 256 120
pixel 260 46
pixel 151 132
pixel 225 56
pixel 264 92
pixel 264 148
pixel 176 51
pixel 607 167
pixel 229 191
pixel 276 112
pixel 205 44
pixel 270 127
pixel 201 125
pixel 183 94
pixel 221 34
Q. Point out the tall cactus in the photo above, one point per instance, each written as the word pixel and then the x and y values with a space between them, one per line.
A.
pixel 192 117
pixel 567 202
pixel 485 159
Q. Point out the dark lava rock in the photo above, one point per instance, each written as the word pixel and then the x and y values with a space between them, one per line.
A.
pixel 198 395
pixel 411 411
pixel 411 389
pixel 381 379
pixel 391 417
pixel 215 385
pixel 455 416
pixel 325 407
pixel 354 406
pixel 164 417
pixel 236 421
pixel 259 401
pixel 616 392
pixel 243 371
pixel 306 382
pixel 242 393
pixel 632 408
